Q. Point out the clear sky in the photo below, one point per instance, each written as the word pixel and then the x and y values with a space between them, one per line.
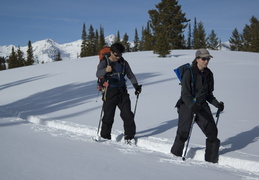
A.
pixel 62 20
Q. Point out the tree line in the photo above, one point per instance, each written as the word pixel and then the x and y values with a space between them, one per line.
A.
pixel 17 59
pixel 162 33
pixel 165 31
pixel 248 40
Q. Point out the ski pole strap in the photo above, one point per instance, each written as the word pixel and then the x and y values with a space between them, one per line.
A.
pixel 105 91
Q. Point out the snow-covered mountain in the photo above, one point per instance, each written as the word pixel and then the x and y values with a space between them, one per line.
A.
pixel 46 50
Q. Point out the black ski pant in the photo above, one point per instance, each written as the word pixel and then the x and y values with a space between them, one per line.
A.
pixel 206 122
pixel 118 97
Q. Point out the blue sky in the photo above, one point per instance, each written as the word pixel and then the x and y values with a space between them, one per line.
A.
pixel 62 21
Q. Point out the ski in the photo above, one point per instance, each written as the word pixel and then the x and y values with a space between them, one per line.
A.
pixel 118 139
pixel 131 141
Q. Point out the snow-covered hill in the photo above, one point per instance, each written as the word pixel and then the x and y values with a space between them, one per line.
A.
pixel 50 113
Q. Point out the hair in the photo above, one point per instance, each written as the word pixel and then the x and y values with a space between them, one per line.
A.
pixel 194 62
pixel 117 48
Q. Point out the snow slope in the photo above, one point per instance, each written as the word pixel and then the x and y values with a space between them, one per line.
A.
pixel 49 114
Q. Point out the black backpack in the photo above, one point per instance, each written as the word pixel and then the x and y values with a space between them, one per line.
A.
pixel 179 73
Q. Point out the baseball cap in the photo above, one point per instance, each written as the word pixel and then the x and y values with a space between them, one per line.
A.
pixel 203 53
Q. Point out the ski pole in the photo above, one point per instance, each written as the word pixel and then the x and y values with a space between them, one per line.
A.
pixel 107 84
pixel 136 105
pixel 188 140
pixel 99 125
pixel 217 116
pixel 97 95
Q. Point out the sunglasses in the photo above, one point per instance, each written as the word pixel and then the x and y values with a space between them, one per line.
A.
pixel 205 58
pixel 117 55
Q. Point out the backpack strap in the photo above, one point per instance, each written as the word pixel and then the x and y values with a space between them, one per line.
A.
pixel 192 84
pixel 123 63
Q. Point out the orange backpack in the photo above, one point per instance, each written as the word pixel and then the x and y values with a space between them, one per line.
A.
pixel 105 51
pixel 103 55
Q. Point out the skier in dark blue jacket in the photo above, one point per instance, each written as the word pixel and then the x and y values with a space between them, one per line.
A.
pixel 114 70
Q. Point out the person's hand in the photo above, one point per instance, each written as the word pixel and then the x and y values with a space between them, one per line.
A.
pixel 138 89
pixel 196 108
pixel 220 106
pixel 108 69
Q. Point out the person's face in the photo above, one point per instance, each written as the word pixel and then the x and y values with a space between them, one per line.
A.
pixel 115 56
pixel 202 62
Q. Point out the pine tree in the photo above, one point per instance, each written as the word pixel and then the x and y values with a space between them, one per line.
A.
pixel 148 38
pixel 91 47
pixel 141 42
pixel 83 52
pixel 167 22
pixel 235 41
pixel 20 58
pixel 251 36
pixel 125 42
pixel 117 38
pixel 30 58
pixel 189 40
pixel 199 37
pixel 58 56
pixel 12 60
pixel 247 38
pixel 194 31
pixel 164 47
pixel 2 63
pixel 96 42
pixel 212 41
pixel 255 34
pixel 102 42
pixel 136 41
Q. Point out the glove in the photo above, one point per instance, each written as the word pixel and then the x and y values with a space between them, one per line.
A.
pixel 138 89
pixel 196 108
pixel 220 106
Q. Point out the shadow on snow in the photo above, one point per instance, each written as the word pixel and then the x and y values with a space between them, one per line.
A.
pixel 241 140
pixel 58 98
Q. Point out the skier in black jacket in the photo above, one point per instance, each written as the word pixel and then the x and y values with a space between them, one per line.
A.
pixel 114 71
pixel 189 105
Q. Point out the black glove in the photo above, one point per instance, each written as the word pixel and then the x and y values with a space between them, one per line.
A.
pixel 138 89
pixel 196 108
pixel 220 106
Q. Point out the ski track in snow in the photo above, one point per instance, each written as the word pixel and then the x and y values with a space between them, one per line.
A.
pixel 143 144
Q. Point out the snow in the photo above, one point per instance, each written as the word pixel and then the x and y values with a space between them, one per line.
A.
pixel 49 115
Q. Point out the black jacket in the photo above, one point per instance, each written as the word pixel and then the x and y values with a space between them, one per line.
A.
pixel 203 87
